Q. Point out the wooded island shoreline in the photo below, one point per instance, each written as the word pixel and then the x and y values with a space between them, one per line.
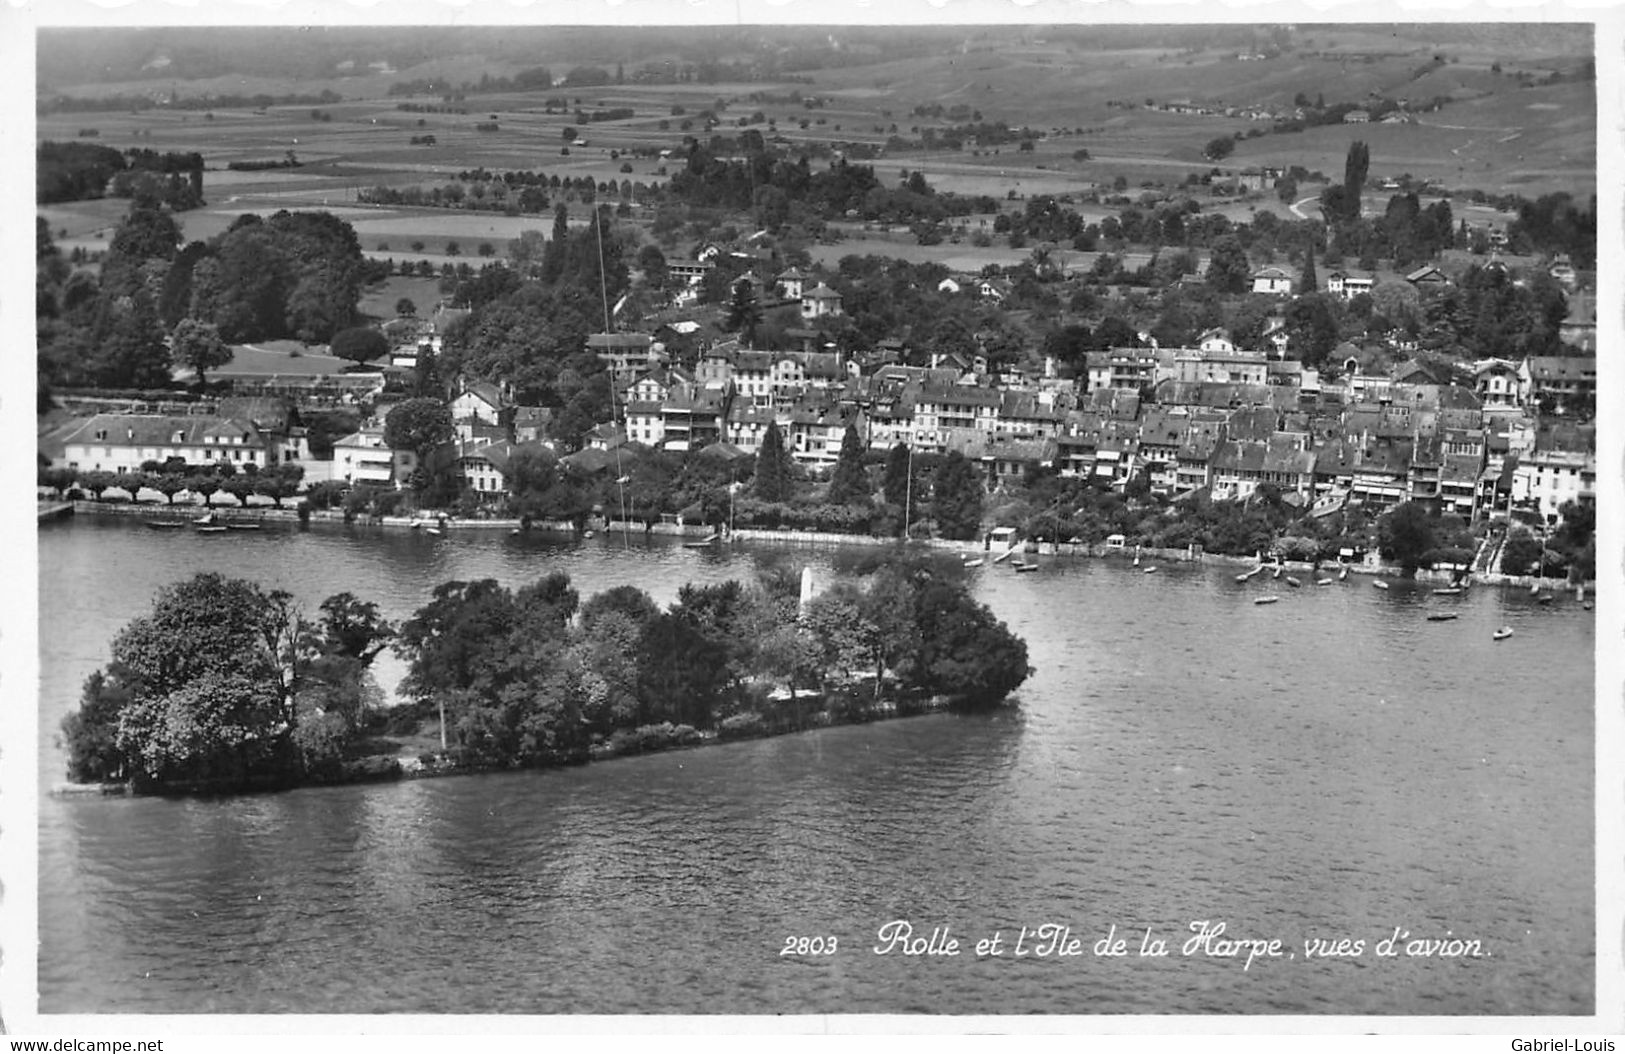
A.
pixel 384 768
pixel 227 686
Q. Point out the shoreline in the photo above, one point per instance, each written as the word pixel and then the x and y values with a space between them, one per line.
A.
pixel 390 768
pixel 779 537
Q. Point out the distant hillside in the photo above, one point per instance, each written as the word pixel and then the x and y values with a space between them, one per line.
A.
pixel 69 58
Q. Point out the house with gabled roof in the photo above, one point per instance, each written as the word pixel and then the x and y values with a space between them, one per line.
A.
pixel 817 430
pixel 1272 281
pixel 1347 286
pixel 479 401
pixel 791 284
pixel 1004 458
pixel 1428 277
pixel 623 353
pixel 364 457
pixel 1239 467
pixel 123 442
pixel 820 301
pixel 484 466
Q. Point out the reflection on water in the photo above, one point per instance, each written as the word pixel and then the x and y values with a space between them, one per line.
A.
pixel 1330 766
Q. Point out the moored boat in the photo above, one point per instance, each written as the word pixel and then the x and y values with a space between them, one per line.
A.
pixel 1244 577
pixel 1445 617
pixel 166 525
pixel 1024 567
pixel 1450 592
pixel 1502 634
pixel 974 563
pixel 1293 582
pixel 1324 582
pixel 1380 584
pixel 1151 570
pixel 243 526
pixel 1266 600
pixel 211 529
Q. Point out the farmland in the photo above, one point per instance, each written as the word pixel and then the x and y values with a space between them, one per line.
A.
pixel 1503 129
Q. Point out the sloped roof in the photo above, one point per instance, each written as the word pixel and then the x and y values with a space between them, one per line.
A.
pixel 160 430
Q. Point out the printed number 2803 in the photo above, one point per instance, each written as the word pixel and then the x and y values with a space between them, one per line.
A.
pixel 808 946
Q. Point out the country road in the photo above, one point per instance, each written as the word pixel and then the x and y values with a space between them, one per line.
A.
pixel 1297 211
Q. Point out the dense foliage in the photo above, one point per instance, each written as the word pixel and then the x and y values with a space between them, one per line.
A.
pixel 224 685
pixel 521 680
pixel 293 275
pixel 75 171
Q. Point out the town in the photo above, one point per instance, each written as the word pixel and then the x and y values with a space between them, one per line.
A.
pixel 1147 364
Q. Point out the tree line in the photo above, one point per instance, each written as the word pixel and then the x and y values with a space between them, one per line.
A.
pixel 77 171
pixel 226 685
pixel 157 303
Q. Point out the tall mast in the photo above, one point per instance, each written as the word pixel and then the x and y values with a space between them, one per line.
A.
pixel 603 295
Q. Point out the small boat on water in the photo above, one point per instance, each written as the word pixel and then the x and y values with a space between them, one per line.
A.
pixel 432 530
pixel 1450 592
pixel 1324 582
pixel 1502 634
pixel 1021 568
pixel 1266 600
pixel 1544 598
pixel 1293 582
pixel 704 543
pixel 243 526
pixel 1151 570
pixel 974 563
pixel 206 520
pixel 214 528
pixel 1446 617
pixel 165 525
pixel 1380 584
pixel 1244 577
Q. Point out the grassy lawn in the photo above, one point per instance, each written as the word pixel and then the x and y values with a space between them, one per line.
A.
pixel 378 301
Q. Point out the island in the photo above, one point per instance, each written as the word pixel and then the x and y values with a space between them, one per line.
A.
pixel 226 686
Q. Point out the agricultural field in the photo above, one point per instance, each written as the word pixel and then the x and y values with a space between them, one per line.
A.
pixel 1082 93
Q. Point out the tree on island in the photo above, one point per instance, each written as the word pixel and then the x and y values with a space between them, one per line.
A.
pixel 963 650
pixel 201 689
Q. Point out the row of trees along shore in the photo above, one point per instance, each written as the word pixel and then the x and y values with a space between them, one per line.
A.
pixel 225 685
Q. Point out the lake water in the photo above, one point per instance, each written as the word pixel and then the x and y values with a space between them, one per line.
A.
pixel 1330 766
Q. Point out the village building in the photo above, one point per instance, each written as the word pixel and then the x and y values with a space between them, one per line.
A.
pixel 123 442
